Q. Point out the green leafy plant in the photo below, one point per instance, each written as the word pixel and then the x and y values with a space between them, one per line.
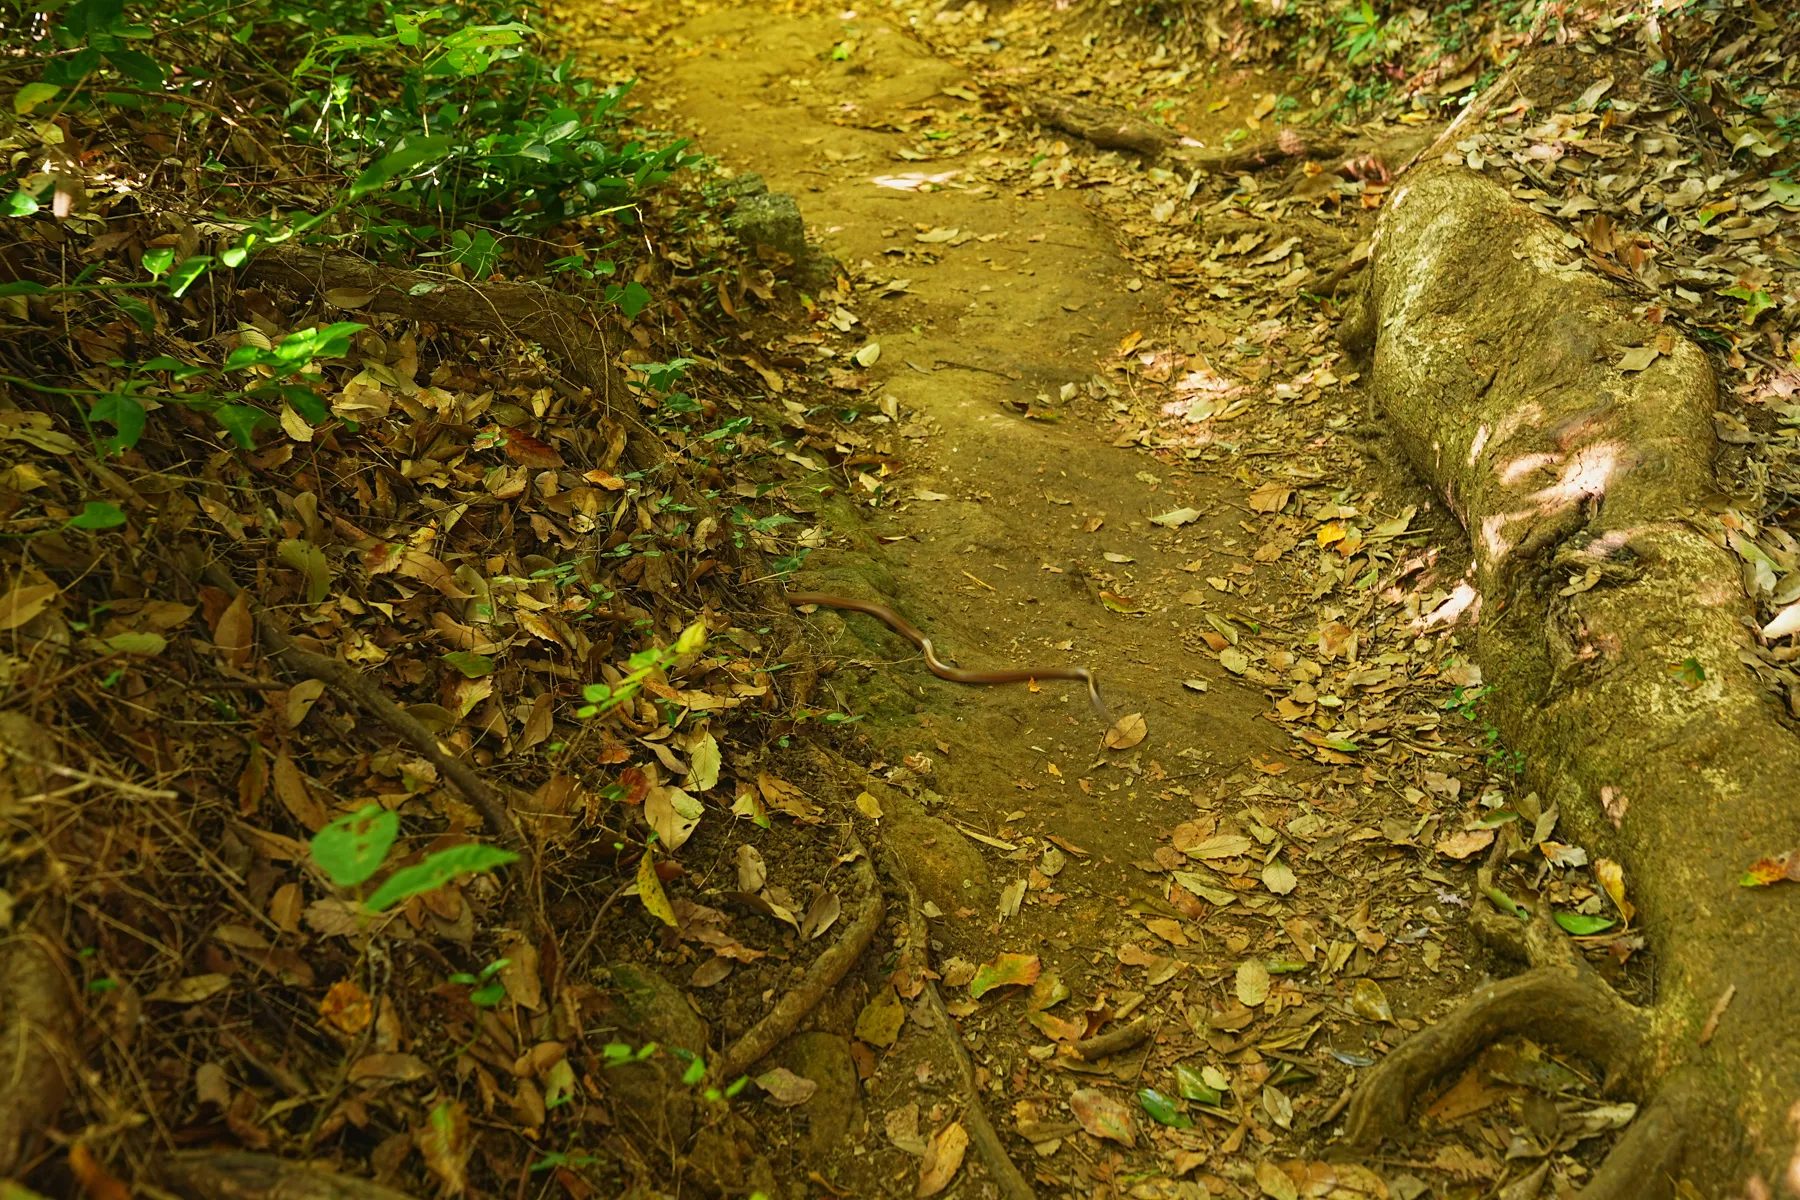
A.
pixel 352 848
pixel 604 697
pixel 484 990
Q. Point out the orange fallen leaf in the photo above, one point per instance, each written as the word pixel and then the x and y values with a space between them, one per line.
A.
pixel 943 1156
pixel 1127 732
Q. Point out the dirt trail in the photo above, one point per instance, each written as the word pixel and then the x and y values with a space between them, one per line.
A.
pixel 1031 537
pixel 1005 571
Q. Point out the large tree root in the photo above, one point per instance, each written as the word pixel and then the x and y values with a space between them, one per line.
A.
pixel 209 1176
pixel 1012 1182
pixel 1560 1000
pixel 1496 361
pixel 820 978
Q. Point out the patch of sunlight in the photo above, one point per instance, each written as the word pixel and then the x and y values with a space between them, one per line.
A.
pixel 1478 445
pixel 1524 465
pixel 1586 476
pixel 1526 414
pixel 913 181
pixel 1465 599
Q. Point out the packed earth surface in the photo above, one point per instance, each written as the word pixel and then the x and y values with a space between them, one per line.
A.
pixel 1422 500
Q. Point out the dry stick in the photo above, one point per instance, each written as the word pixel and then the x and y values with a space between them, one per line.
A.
pixel 1477 110
pixel 1012 1182
pixel 821 977
pixel 346 680
pixel 1118 1041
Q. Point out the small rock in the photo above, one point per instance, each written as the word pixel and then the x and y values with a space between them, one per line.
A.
pixel 770 219
pixel 835 1110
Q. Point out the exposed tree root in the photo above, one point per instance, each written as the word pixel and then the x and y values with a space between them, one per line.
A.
pixel 1560 1001
pixel 554 320
pixel 1498 363
pixel 1289 147
pixel 821 977
pixel 37 1043
pixel 1012 1182
pixel 1107 127
pixel 350 683
pixel 38 1054
pixel 206 1176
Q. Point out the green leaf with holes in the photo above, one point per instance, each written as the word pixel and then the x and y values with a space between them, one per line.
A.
pixel 352 848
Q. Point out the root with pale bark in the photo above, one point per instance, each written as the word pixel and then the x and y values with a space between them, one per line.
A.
pixel 1494 359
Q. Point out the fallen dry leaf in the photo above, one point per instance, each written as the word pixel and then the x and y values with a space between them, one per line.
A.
pixel 943 1156
pixel 1127 732
pixel 1103 1115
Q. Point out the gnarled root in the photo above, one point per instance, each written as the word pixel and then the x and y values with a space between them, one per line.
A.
pixel 1561 1001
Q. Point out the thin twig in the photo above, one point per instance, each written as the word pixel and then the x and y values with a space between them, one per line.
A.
pixel 117 785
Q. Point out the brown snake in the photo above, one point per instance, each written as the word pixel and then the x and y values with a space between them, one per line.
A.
pixel 912 633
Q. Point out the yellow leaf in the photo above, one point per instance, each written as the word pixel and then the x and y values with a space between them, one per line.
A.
pixel 650 891
pixel 1612 878
pixel 943 1156
pixel 1128 732
pixel 868 806
pixel 880 1020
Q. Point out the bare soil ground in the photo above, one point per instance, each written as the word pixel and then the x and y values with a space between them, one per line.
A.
pixel 1121 447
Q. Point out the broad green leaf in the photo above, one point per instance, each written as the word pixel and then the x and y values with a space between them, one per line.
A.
pixel 436 871
pixel 186 273
pixel 98 514
pixel 1192 1086
pixel 126 415
pixel 632 299
pixel 19 204
pixel 240 421
pixel 1582 926
pixel 1162 1110
pixel 32 95
pixel 157 262
pixel 414 155
pixel 353 847
pixel 1507 904
pixel 144 70
pixel 138 311
pixel 23 287
pixel 470 664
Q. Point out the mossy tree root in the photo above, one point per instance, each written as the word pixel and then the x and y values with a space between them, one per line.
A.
pixel 1499 364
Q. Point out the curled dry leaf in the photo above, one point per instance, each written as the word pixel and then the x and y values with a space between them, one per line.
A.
pixel 446 1141
pixel 1104 1115
pixel 821 915
pixel 751 872
pixel 673 814
pixel 942 1158
pixel 903 1129
pixel 23 603
pixel 785 1088
pixel 1127 732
